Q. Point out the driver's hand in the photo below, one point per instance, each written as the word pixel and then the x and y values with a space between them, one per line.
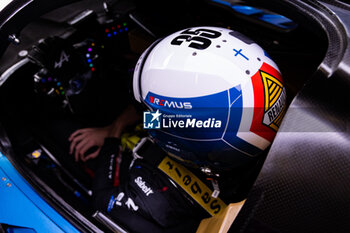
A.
pixel 84 139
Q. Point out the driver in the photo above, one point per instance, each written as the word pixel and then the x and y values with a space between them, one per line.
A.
pixel 213 103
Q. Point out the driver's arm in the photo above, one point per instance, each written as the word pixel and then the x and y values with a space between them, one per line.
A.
pixel 83 139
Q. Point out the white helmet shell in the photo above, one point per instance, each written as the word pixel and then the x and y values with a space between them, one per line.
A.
pixel 211 73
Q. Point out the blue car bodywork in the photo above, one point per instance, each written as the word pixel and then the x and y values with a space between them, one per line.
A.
pixel 22 208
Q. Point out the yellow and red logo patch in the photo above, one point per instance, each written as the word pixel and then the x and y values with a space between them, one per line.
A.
pixel 269 101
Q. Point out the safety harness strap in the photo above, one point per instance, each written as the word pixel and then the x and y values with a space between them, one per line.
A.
pixel 192 185
pixel 180 175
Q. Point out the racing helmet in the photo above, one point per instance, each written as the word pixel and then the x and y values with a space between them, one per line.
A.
pixel 214 97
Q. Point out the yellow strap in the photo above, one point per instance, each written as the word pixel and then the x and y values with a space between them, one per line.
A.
pixel 129 140
pixel 192 185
